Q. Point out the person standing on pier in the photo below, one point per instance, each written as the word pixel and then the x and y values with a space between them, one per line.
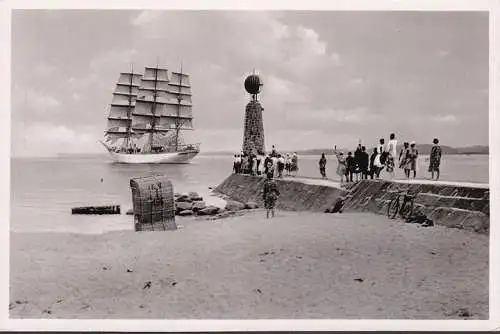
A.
pixel 273 152
pixel 294 168
pixel 270 194
pixel 288 163
pixel 268 161
pixel 351 166
pixel 364 162
pixel 259 162
pixel 381 157
pixel 404 157
pixel 341 167
pixel 435 159
pixel 373 165
pixel 391 157
pixel 413 156
pixel 357 159
pixel 322 166
pixel 281 165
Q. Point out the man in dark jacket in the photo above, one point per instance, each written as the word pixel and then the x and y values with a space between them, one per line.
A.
pixel 364 161
pixel 350 166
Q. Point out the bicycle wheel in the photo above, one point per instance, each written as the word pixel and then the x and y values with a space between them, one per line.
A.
pixel 393 208
pixel 406 209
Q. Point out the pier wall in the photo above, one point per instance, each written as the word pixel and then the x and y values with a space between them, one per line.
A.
pixel 294 196
pixel 451 205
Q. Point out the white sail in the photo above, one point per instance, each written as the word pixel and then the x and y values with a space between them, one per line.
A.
pixel 132 79
pixel 126 90
pixel 177 78
pixel 155 74
pixel 180 84
pixel 152 85
pixel 146 115
pixel 119 112
pixel 123 100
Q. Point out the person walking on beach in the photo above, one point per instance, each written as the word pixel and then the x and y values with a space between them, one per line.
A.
pixel 413 156
pixel 322 165
pixel 270 194
pixel 435 159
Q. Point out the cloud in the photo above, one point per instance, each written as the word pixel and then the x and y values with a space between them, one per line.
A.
pixel 44 69
pixel 28 99
pixel 325 74
pixel 443 54
pixel 311 40
pixel 282 91
pixel 44 138
pixel 329 116
pixel 146 17
pixel 446 118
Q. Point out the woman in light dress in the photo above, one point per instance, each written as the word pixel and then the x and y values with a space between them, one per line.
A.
pixel 413 156
pixel 342 166
pixel 404 159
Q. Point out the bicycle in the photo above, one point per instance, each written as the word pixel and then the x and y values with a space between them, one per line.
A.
pixel 405 209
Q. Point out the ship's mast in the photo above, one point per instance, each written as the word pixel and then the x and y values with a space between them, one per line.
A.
pixel 129 110
pixel 178 123
pixel 153 110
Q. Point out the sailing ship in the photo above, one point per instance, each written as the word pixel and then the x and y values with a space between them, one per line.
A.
pixel 147 114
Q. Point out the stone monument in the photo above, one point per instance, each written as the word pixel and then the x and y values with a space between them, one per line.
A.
pixel 253 135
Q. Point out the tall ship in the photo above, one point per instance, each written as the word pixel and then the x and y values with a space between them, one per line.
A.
pixel 147 116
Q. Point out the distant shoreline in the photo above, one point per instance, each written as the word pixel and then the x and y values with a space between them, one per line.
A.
pixel 97 155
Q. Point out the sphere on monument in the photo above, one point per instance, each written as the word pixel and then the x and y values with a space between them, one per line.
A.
pixel 253 84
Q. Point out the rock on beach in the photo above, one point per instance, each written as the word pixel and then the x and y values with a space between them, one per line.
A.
pixel 234 206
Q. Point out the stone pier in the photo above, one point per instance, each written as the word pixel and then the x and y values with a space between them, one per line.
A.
pixel 451 204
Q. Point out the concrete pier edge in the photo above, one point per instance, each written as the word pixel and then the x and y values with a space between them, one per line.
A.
pixel 451 204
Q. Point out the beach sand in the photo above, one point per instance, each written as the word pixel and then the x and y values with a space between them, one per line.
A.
pixel 297 265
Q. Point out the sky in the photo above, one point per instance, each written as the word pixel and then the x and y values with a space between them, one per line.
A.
pixel 330 77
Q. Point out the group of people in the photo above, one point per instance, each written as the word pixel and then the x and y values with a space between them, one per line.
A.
pixel 384 157
pixel 271 166
pixel 278 163
pixel 353 166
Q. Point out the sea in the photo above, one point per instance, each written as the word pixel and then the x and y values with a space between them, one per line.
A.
pixel 43 190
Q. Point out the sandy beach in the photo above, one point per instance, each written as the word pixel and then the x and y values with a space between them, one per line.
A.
pixel 297 265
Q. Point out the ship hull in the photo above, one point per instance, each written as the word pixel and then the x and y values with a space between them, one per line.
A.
pixel 156 158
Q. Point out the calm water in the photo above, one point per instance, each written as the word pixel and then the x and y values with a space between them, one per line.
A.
pixel 43 190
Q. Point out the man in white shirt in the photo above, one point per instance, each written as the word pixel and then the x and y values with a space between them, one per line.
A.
pixel 392 150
